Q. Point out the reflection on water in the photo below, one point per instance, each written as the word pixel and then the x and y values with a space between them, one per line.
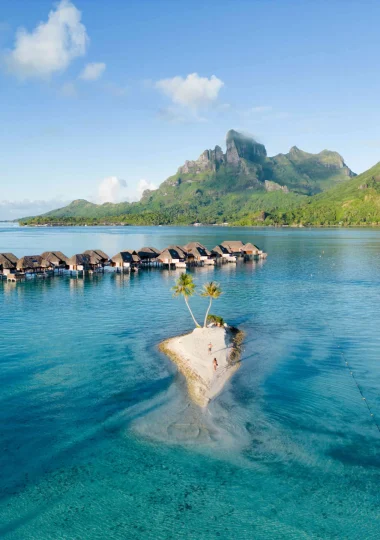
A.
pixel 99 438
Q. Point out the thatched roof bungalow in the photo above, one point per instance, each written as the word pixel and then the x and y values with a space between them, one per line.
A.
pixel 223 253
pixel 179 249
pixel 197 249
pixel 125 259
pixel 148 254
pixel 33 264
pixel 97 256
pixel 220 250
pixel 235 246
pixel 79 262
pixel 198 253
pixel 251 249
pixel 135 257
pixel 8 263
pixel 57 258
pixel 173 255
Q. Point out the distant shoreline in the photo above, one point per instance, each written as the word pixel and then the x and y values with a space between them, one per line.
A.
pixel 53 226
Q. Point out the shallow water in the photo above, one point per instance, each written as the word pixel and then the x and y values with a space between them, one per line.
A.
pixel 99 440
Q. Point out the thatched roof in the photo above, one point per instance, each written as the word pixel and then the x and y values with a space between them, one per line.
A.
pixel 8 261
pixel 122 257
pixel 32 262
pixel 170 253
pixel 180 251
pixel 221 250
pixel 134 254
pixel 12 258
pixel 192 245
pixel 55 257
pixel 102 254
pixel 234 245
pixel 80 259
pixel 148 252
pixel 251 247
pixel 195 248
pixel 97 254
pixel 126 256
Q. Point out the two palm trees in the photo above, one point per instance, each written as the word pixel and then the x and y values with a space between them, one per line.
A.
pixel 185 287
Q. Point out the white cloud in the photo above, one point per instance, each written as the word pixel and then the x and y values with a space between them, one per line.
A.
pixel 193 91
pixel 142 185
pixel 10 210
pixel 112 189
pixel 51 46
pixel 92 71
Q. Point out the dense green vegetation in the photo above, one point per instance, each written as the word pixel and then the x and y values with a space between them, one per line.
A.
pixel 297 188
pixel 356 202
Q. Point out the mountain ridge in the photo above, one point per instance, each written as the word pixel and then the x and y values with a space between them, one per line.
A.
pixel 242 185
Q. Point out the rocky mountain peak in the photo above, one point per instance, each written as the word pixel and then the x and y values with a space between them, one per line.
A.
pixel 238 147
pixel 209 160
pixel 241 146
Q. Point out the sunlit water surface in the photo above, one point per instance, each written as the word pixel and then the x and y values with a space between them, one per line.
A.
pixel 99 439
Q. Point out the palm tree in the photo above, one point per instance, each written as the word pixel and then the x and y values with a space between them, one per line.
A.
pixel 185 286
pixel 213 291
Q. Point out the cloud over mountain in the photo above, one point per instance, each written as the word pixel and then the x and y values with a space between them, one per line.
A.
pixel 142 185
pixel 112 189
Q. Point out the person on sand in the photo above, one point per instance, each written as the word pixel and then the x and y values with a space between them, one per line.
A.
pixel 209 348
pixel 215 363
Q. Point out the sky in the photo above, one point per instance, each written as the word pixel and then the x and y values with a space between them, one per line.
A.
pixel 101 100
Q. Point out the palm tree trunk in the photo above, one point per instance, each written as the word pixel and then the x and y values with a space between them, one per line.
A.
pixel 191 313
pixel 207 312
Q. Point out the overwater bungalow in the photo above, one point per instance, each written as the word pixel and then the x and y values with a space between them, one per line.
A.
pixel 198 254
pixel 180 250
pixel 148 255
pixel 126 261
pixel 173 256
pixel 79 263
pixel 56 258
pixel 235 246
pixel 34 264
pixel 98 258
pixel 223 254
pixel 251 251
pixel 8 263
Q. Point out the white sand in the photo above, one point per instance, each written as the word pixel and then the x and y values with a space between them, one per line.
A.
pixel 191 354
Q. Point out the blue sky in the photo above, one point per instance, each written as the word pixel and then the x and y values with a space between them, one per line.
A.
pixel 100 99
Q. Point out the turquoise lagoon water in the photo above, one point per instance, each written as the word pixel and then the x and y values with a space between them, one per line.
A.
pixel 98 437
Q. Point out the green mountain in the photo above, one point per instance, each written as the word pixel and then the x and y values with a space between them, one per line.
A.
pixel 242 185
pixel 356 202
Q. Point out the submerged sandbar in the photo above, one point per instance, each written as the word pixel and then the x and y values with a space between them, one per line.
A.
pixel 191 354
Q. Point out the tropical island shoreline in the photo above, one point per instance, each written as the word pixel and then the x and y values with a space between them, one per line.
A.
pixel 194 359
pixel 242 186
pixel 262 226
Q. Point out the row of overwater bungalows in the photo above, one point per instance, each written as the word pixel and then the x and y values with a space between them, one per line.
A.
pixel 173 256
